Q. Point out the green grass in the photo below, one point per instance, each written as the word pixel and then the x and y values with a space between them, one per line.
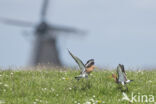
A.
pixel 60 87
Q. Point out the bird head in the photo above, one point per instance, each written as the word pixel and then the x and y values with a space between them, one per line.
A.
pixel 114 76
pixel 90 63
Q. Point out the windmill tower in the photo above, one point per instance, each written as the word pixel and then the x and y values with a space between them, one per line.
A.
pixel 45 49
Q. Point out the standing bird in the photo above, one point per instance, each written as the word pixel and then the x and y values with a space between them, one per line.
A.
pixel 122 78
pixel 86 68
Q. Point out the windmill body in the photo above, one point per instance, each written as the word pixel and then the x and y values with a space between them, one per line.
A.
pixel 45 48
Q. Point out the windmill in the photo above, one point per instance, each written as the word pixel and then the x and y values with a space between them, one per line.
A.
pixel 45 49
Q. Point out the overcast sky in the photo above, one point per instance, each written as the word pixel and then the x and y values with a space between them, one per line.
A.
pixel 119 31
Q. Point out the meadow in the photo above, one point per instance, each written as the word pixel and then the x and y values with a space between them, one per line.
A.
pixel 60 87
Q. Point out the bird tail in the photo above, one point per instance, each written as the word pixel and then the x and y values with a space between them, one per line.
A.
pixel 78 77
pixel 128 81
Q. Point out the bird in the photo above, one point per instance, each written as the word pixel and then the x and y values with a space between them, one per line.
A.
pixel 121 76
pixel 86 69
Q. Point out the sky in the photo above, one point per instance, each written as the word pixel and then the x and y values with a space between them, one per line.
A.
pixel 118 31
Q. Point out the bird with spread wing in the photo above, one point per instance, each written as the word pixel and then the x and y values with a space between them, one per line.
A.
pixel 86 69
pixel 121 75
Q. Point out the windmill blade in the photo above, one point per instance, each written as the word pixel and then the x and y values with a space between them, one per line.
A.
pixel 65 29
pixel 16 22
pixel 44 9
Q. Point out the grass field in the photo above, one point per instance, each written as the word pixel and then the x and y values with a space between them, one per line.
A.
pixel 60 87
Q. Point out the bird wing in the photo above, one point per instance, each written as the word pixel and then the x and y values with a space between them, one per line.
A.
pixel 78 61
pixel 123 70
pixel 121 75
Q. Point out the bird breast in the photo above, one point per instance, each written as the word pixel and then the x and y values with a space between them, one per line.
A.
pixel 90 69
